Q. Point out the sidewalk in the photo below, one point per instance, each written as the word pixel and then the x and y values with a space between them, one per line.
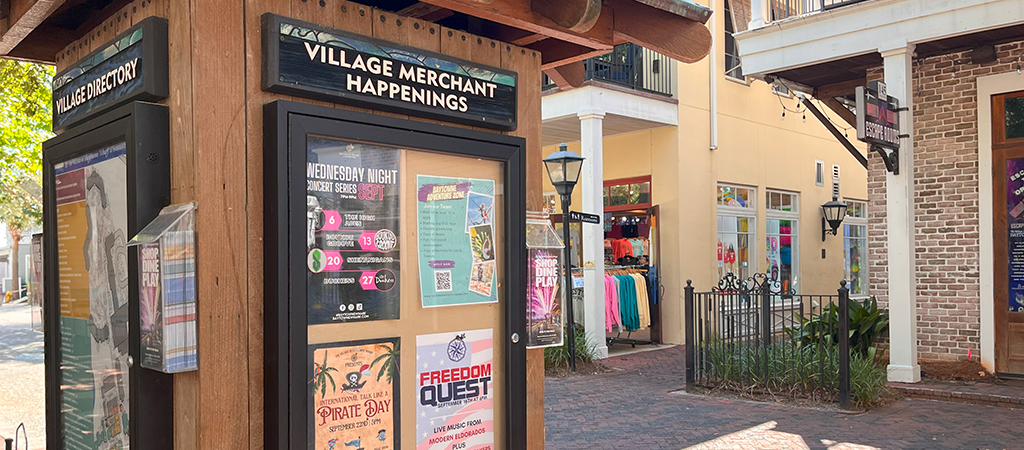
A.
pixel 22 389
pixel 639 407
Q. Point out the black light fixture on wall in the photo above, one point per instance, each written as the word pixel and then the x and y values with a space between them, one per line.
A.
pixel 832 214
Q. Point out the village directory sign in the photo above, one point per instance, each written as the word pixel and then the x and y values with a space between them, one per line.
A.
pixel 133 66
pixel 307 60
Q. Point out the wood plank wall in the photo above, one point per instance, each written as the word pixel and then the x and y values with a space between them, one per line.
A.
pixel 216 158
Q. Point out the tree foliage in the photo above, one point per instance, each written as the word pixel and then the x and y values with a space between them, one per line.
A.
pixel 25 112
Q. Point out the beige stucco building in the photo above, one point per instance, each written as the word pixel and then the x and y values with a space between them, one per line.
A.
pixel 731 161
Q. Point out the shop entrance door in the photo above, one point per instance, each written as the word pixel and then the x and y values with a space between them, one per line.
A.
pixel 1008 208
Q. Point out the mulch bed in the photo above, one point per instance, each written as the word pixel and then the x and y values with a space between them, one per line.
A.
pixel 967 370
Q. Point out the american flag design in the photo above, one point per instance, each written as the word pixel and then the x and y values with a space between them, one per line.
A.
pixel 464 420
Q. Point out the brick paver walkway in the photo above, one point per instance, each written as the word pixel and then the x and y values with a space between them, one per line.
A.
pixel 636 409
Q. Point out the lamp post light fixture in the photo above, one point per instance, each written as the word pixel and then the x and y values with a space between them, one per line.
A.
pixel 832 214
pixel 564 171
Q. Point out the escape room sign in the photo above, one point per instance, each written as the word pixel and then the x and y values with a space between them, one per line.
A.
pixel 306 60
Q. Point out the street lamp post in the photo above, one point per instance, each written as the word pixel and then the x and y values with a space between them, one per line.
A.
pixel 564 171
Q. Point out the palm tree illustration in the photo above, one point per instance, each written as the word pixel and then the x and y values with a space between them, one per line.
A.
pixel 389 361
pixel 321 375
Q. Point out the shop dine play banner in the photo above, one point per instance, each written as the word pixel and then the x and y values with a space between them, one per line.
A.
pixel 455 390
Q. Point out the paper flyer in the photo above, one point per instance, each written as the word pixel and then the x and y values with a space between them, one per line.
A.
pixel 455 228
pixel 455 390
pixel 353 389
pixel 352 215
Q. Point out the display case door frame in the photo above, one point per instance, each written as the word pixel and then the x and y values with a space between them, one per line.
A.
pixel 144 129
pixel 287 125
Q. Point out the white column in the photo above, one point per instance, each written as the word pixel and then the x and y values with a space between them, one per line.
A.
pixel 592 183
pixel 756 14
pixel 899 201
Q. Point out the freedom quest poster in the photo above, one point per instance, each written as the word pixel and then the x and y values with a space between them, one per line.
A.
pixel 352 216
pixel 1015 227
pixel 455 391
pixel 354 391
pixel 455 218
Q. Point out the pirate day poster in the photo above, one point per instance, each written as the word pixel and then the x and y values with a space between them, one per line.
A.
pixel 353 388
pixel 455 390
pixel 457 252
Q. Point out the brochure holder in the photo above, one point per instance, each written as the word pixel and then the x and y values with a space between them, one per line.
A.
pixel 167 290
pixel 545 318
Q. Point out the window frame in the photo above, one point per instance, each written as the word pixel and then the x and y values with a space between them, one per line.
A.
pixel 857 221
pixel 730 36
pixel 794 234
pixel 748 212
pixel 628 182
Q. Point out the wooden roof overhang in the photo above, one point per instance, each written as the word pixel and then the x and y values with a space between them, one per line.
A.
pixel 565 31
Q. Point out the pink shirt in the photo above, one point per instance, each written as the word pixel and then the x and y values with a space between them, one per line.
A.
pixel 611 304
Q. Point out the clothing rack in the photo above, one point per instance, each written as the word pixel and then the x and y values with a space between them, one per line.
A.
pixel 618 339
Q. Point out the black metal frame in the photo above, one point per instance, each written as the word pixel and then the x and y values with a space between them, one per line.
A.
pixel 712 332
pixel 145 129
pixel 286 343
pixel 154 70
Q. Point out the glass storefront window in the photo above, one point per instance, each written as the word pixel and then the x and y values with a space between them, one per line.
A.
pixel 735 254
pixel 619 195
pixel 782 201
pixel 855 247
pixel 627 193
pixel 782 246
pixel 736 196
pixel 1013 110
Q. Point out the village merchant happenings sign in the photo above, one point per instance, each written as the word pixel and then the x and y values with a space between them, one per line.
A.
pixel 133 66
pixel 310 61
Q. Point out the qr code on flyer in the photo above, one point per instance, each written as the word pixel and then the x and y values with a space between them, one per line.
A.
pixel 442 280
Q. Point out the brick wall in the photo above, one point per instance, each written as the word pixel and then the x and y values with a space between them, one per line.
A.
pixel 945 201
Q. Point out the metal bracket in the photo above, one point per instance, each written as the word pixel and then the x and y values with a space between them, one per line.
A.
pixel 901 109
pixel 891 158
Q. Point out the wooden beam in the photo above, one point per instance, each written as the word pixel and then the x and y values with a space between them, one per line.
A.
pixel 520 14
pixel 840 89
pixel 575 15
pixel 425 11
pixel 25 16
pixel 840 109
pixel 556 53
pixel 418 10
pixel 863 160
pixel 682 8
pixel 679 38
pixel 532 38
pixel 568 76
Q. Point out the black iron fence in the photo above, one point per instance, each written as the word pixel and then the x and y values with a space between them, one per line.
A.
pixel 631 66
pixel 781 9
pixel 750 336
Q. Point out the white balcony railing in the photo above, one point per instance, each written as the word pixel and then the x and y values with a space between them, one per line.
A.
pixel 767 11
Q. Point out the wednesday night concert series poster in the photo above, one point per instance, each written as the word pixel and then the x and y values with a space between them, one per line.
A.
pixel 1015 228
pixel 457 253
pixel 352 216
pixel 455 390
pixel 354 395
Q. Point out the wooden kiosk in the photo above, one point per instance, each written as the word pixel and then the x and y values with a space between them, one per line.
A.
pixel 306 165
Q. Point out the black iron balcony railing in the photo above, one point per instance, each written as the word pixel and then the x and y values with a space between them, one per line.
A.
pixel 781 9
pixel 631 66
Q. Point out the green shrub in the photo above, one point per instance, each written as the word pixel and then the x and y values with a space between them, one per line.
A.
pixel 558 357
pixel 792 369
pixel 867 324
